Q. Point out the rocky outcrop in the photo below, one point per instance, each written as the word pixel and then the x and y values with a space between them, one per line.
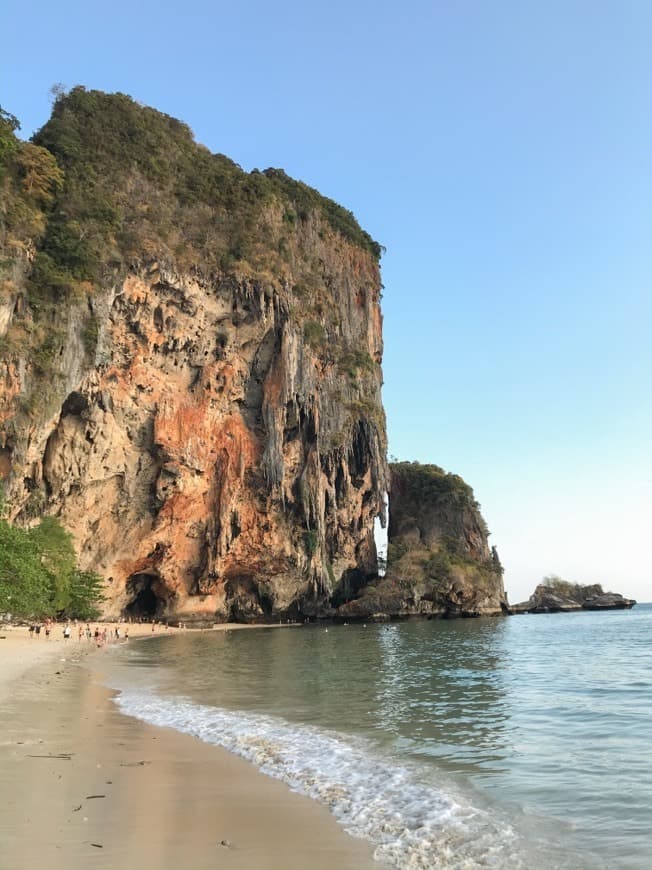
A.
pixel 439 561
pixel 608 601
pixel 558 596
pixel 191 373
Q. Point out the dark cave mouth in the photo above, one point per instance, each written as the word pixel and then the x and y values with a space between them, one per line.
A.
pixel 145 602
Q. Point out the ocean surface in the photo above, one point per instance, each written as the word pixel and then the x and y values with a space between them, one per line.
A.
pixel 521 742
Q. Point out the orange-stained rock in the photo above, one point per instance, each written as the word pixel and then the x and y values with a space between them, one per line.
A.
pixel 210 454
pixel 189 368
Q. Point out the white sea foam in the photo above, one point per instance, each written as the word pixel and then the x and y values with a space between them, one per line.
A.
pixel 411 823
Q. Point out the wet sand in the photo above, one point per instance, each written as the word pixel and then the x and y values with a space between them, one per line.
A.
pixel 83 785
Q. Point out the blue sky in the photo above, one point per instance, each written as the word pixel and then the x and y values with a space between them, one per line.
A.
pixel 501 152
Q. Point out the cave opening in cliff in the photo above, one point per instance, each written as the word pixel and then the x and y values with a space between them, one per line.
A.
pixel 145 603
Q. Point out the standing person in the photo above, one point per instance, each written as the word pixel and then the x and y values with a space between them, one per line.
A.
pixel 47 629
pixel 66 631
pixel 80 632
pixel 37 629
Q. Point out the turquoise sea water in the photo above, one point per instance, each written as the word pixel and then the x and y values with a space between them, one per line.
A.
pixel 510 742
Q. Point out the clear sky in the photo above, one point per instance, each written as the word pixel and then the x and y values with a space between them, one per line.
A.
pixel 501 151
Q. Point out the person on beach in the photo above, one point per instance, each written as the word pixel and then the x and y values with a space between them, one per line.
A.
pixel 31 632
pixel 66 631
pixel 37 629
pixel 47 629
pixel 127 632
pixel 80 633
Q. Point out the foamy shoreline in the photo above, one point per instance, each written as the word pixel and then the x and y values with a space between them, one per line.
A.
pixel 163 798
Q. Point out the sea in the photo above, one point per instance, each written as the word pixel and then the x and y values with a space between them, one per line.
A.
pixel 513 742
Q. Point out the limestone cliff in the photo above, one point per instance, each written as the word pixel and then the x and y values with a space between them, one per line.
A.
pixel 439 561
pixel 190 366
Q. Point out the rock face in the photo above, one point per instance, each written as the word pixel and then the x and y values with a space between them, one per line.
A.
pixel 191 370
pixel 439 561
pixel 558 596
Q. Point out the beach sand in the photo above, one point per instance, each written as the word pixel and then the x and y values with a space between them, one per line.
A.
pixel 82 785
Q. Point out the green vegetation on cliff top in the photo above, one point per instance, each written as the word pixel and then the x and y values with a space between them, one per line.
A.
pixel 131 183
pixel 426 483
pixel 30 178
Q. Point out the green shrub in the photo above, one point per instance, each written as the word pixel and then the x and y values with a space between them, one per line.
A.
pixel 352 362
pixel 311 539
pixel 314 334
pixel 438 567
pixel 395 552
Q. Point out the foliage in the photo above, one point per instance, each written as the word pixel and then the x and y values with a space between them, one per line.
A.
pixel 448 503
pixel 353 361
pixel 313 334
pixel 305 200
pixel 137 184
pixel 495 561
pixel 29 181
pixel 423 483
pixel 85 595
pixel 574 591
pixel 8 142
pixel 107 184
pixel 424 480
pixel 438 567
pixel 38 575
pixel 395 552
pixel 311 539
pixel 57 557
pixel 90 334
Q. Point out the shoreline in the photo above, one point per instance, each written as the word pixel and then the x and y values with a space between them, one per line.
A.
pixel 83 782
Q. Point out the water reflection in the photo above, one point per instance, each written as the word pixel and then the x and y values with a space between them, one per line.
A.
pixel 421 689
pixel 547 715
pixel 440 692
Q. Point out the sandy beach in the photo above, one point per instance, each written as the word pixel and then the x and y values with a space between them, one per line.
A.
pixel 83 785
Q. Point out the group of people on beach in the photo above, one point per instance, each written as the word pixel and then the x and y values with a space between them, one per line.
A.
pixel 100 636
pixel 36 627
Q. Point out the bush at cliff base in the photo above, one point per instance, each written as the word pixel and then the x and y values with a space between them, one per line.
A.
pixel 39 577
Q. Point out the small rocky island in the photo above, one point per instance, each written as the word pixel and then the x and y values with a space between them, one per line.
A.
pixel 439 563
pixel 555 595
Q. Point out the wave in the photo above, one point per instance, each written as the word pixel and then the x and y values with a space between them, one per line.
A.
pixel 412 823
